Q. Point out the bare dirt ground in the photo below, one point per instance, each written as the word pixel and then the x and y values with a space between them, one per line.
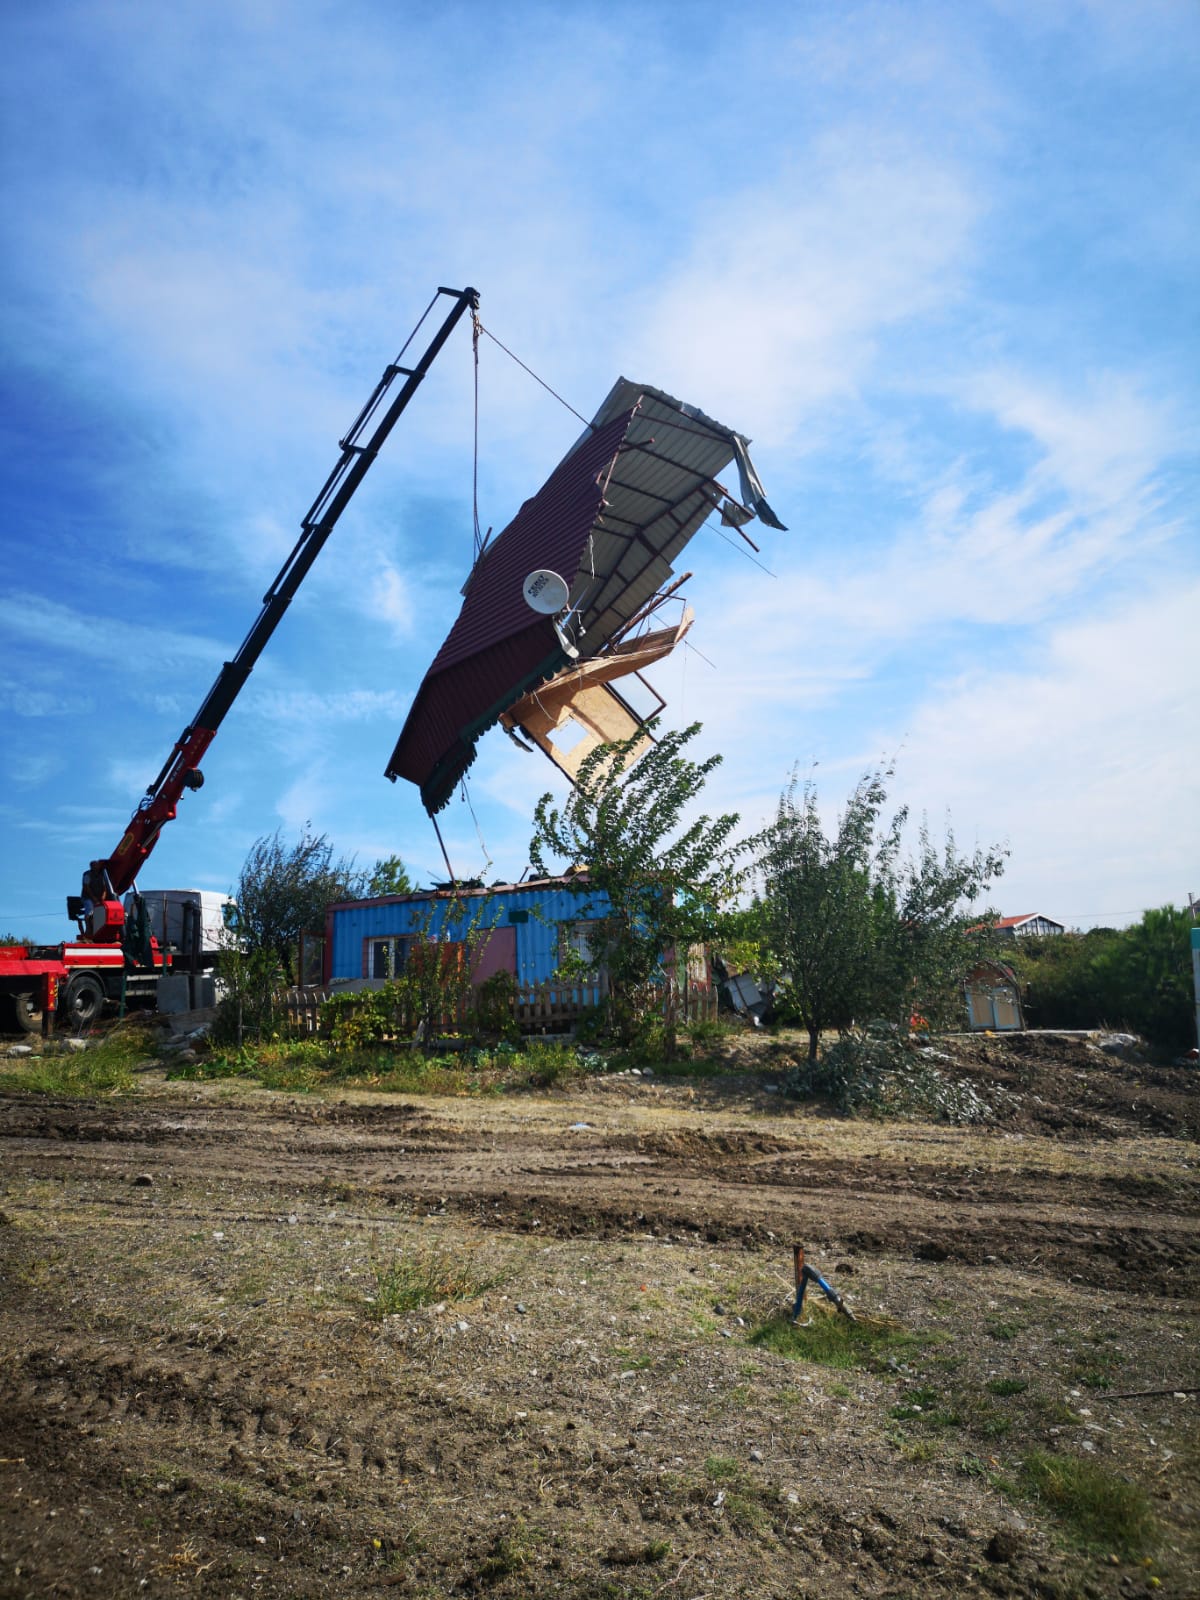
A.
pixel 201 1392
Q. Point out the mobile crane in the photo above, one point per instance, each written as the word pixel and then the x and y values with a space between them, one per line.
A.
pixel 116 958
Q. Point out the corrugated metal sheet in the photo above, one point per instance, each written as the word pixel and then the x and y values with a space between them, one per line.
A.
pixel 611 518
pixel 661 490
pixel 546 903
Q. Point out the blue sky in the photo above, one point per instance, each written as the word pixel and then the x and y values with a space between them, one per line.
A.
pixel 938 261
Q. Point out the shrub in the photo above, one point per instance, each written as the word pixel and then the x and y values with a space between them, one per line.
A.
pixel 252 981
pixel 492 1011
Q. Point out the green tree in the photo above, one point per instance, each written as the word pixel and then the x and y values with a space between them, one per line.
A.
pixel 1063 982
pixel 283 891
pixel 825 903
pixel 1147 975
pixel 858 932
pixel 932 937
pixel 389 875
pixel 665 879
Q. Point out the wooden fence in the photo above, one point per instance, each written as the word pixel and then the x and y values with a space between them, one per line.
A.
pixel 302 1008
pixel 538 1009
pixel 691 1002
pixel 555 1008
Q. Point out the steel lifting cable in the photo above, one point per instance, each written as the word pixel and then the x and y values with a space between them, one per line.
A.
pixel 535 377
pixel 476 325
pixel 442 842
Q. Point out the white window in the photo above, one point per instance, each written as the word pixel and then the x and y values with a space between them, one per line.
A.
pixel 576 939
pixel 386 957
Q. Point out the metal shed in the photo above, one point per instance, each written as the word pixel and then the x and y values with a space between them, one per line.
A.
pixel 994 999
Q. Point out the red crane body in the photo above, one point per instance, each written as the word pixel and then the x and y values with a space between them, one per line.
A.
pixel 104 964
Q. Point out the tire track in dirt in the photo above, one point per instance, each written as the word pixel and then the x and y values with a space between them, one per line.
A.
pixel 219 1400
pixel 695 1185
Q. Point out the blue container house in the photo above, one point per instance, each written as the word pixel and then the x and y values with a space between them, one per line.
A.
pixel 522 928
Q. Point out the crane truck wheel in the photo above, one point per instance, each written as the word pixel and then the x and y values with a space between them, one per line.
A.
pixel 83 1003
pixel 26 1011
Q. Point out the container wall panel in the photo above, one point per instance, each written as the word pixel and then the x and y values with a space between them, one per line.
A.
pixel 533 912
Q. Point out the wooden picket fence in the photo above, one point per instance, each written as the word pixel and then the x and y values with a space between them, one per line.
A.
pixel 555 1008
pixel 301 1008
pixel 538 1009
pixel 690 1002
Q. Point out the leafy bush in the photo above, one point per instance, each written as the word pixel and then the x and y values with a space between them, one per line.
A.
pixel 492 1011
pixel 252 981
pixel 1061 978
pixel 1149 976
pixel 1137 978
pixel 549 1062
pixel 705 1032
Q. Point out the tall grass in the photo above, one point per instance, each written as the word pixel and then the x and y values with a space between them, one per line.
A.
pixel 105 1067
pixel 1102 1510
pixel 427 1277
pixel 832 1341
pixel 310 1065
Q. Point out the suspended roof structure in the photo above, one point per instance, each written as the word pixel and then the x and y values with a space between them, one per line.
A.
pixel 611 518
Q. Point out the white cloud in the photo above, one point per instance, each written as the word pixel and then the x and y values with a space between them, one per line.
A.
pixel 103 636
pixel 304 710
pixel 30 768
pixel 25 700
pixel 305 801
pixel 1100 440
pixel 1082 756
pixel 775 312
pixel 387 597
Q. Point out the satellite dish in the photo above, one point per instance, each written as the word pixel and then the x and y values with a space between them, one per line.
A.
pixel 545 592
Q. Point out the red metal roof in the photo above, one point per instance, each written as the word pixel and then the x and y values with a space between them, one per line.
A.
pixel 498 648
pixel 612 516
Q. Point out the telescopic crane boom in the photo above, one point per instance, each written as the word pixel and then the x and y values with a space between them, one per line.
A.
pixel 98 908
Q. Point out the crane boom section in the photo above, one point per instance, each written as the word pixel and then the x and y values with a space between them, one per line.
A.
pixel 107 879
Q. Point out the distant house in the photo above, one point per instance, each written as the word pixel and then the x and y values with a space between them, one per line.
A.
pixel 525 929
pixel 1028 926
pixel 993 998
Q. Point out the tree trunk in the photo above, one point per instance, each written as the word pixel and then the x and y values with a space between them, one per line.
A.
pixel 814 1035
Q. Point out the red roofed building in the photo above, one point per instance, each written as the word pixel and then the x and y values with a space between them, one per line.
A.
pixel 1030 925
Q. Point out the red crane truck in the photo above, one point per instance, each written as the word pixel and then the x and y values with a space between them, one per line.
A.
pixel 116 958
